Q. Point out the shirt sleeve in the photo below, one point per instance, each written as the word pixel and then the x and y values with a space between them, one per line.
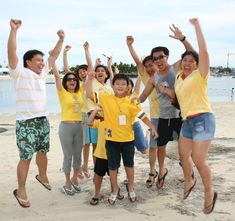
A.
pixel 14 73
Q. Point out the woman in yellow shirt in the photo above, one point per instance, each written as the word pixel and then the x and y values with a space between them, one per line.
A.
pixel 198 120
pixel 70 129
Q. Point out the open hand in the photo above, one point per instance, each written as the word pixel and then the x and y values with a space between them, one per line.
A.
pixel 177 33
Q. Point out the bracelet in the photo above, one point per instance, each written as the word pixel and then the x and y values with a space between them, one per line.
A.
pixel 183 39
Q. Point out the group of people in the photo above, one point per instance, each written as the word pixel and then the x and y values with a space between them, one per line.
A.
pixel 92 112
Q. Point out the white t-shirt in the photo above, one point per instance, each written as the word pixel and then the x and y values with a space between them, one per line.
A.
pixel 30 92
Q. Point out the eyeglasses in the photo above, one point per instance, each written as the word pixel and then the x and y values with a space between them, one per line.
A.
pixel 159 58
pixel 71 79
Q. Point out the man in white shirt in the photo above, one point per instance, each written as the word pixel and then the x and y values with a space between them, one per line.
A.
pixel 32 126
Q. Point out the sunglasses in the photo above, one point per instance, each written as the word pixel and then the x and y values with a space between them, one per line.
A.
pixel 159 58
pixel 71 79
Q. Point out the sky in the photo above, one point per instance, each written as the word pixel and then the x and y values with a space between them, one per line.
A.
pixel 106 23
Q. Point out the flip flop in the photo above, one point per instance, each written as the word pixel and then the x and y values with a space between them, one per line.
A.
pixel 119 195
pixel 112 199
pixel 94 201
pixel 23 203
pixel 131 195
pixel 46 185
pixel 160 181
pixel 212 205
pixel 149 183
pixel 186 194
pixel 76 188
pixel 67 191
pixel 86 173
pixel 80 176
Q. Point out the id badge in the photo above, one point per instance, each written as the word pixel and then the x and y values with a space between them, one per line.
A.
pixel 76 108
pixel 122 119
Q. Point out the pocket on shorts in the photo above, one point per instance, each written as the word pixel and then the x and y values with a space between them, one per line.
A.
pixel 199 126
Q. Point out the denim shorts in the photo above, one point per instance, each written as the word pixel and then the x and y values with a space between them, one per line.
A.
pixel 116 150
pixel 153 141
pixel 199 128
pixel 90 134
pixel 140 141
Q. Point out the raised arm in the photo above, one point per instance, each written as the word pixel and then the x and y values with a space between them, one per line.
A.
pixel 65 59
pixel 178 35
pixel 88 57
pixel 57 49
pixel 204 61
pixel 109 67
pixel 11 46
pixel 140 66
pixel 148 89
pixel 88 85
pixel 137 85
pixel 57 77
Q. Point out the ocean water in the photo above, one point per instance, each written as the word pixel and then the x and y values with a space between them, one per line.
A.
pixel 219 90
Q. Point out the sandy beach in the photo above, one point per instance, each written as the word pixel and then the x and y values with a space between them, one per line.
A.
pixel 152 204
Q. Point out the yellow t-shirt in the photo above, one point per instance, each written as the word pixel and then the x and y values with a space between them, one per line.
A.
pixel 71 104
pixel 100 150
pixel 133 96
pixel 97 87
pixel 153 98
pixel 192 93
pixel 119 115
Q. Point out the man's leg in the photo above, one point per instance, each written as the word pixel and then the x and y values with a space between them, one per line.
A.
pixel 41 161
pixel 22 172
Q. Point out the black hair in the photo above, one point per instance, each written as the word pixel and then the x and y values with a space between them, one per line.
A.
pixel 121 77
pixel 83 67
pixel 106 70
pixel 147 58
pixel 160 48
pixel 29 55
pixel 131 83
pixel 194 54
pixel 64 81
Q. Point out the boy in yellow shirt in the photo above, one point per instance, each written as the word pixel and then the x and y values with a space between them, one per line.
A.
pixel 101 163
pixel 119 114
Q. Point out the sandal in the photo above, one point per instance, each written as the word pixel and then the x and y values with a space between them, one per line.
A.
pixel 76 188
pixel 132 197
pixel 186 193
pixel 94 201
pixel 149 183
pixel 67 191
pixel 80 176
pixel 112 199
pixel 160 181
pixel 206 210
pixel 23 203
pixel 119 195
pixel 86 173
